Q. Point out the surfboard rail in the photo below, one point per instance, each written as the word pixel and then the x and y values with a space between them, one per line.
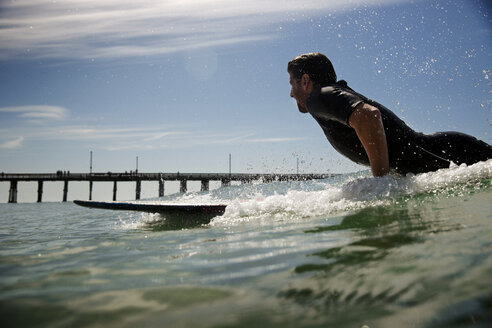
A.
pixel 209 209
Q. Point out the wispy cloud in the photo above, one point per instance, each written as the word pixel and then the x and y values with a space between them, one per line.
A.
pixel 275 140
pixel 10 144
pixel 37 112
pixel 136 138
pixel 117 139
pixel 122 28
pixel 109 133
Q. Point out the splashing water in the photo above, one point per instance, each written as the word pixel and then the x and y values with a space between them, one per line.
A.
pixel 356 193
pixel 300 200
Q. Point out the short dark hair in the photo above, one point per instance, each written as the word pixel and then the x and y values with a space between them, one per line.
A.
pixel 316 65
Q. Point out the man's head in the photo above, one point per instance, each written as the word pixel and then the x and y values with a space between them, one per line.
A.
pixel 316 65
pixel 309 71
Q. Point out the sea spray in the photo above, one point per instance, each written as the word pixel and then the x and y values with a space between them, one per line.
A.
pixel 295 200
pixel 356 193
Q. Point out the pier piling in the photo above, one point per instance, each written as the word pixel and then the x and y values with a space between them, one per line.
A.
pixel 90 189
pixel 13 192
pixel 161 187
pixel 183 187
pixel 40 191
pixel 115 189
pixel 65 190
pixel 205 185
pixel 138 189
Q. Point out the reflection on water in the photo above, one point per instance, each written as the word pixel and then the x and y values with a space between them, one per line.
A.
pixel 402 258
pixel 158 222
pixel 111 308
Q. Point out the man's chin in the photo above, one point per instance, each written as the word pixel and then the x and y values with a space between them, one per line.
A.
pixel 302 109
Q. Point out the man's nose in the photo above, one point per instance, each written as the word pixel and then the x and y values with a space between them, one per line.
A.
pixel 291 93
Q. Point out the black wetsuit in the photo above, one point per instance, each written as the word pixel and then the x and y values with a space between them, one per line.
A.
pixel 409 151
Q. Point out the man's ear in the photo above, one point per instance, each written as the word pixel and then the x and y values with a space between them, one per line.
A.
pixel 305 82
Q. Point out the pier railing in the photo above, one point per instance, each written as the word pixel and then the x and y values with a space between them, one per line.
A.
pixel 183 178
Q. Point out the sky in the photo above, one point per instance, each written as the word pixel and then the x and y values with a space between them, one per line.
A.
pixel 181 84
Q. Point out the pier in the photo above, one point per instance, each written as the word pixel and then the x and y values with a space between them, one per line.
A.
pixel 161 178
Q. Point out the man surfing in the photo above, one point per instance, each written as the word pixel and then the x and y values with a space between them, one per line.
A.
pixel 369 133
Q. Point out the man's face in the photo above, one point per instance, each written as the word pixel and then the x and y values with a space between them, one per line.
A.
pixel 298 93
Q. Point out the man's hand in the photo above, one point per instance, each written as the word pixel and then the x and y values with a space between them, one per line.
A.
pixel 367 123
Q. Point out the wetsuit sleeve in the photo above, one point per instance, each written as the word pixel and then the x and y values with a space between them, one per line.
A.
pixel 333 103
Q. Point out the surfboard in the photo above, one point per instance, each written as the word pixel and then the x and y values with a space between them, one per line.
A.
pixel 184 210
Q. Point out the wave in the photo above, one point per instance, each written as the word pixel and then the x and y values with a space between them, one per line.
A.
pixel 356 192
pixel 295 200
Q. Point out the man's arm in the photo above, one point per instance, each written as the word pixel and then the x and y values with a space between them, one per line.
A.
pixel 367 123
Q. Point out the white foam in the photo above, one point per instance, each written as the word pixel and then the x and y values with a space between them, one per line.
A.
pixel 281 201
pixel 450 177
pixel 352 194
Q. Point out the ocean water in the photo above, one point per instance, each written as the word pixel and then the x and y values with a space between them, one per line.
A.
pixel 352 251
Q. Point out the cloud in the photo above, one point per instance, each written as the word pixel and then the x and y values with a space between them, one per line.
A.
pixel 128 28
pixel 117 139
pixel 16 143
pixel 276 140
pixel 113 138
pixel 37 112
pixel 143 136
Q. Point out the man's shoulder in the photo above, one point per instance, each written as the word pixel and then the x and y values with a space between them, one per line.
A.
pixel 333 102
pixel 329 89
pixel 326 94
pixel 339 94
pixel 338 90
